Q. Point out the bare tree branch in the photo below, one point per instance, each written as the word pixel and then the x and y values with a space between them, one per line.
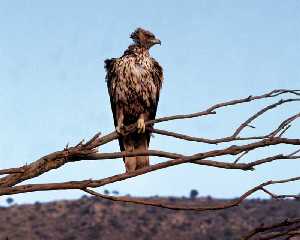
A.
pixel 282 127
pixel 89 151
pixel 97 183
pixel 84 151
pixel 285 223
pixel 11 170
pixel 227 204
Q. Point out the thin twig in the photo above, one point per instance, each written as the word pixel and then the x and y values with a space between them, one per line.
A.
pixel 239 158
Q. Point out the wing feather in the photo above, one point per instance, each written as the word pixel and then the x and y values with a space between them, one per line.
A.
pixel 111 77
pixel 157 76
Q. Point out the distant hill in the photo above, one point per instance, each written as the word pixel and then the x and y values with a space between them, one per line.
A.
pixel 91 218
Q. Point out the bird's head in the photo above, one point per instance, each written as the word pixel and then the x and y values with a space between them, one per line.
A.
pixel 144 38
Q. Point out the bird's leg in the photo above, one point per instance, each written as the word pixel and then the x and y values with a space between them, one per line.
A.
pixel 120 128
pixel 141 124
pixel 120 119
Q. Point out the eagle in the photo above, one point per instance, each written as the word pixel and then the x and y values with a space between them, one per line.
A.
pixel 134 81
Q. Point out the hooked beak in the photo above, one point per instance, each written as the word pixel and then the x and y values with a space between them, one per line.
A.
pixel 156 41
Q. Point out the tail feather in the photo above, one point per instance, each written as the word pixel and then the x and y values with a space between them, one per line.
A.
pixel 135 142
pixel 142 145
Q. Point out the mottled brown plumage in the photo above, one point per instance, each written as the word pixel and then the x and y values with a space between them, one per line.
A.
pixel 134 82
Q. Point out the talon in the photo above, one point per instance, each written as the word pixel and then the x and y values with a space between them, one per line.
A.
pixel 141 125
pixel 120 128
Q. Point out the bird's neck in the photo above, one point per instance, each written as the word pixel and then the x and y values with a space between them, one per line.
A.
pixel 137 49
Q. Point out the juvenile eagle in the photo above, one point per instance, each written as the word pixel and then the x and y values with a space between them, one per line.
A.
pixel 134 82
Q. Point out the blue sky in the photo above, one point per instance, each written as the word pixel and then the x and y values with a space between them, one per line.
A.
pixel 53 90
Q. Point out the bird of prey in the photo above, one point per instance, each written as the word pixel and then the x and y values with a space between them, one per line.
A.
pixel 134 81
